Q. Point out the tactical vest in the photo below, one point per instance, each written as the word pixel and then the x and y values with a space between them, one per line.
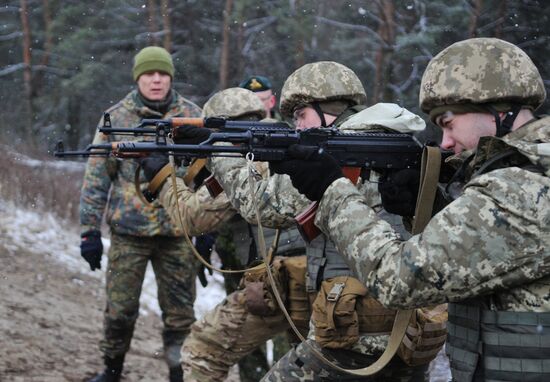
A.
pixel 488 345
pixel 242 236
pixel 323 262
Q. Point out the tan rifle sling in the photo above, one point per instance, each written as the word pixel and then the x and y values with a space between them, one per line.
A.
pixel 431 164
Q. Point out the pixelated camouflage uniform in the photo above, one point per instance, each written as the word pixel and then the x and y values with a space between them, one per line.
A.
pixel 279 202
pixel 229 333
pixel 139 233
pixel 488 251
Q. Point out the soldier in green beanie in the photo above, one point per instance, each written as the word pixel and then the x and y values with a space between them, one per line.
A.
pixel 139 233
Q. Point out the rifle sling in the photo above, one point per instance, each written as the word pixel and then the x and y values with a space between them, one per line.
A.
pixel 429 177
pixel 180 222
pixel 153 186
pixel 197 165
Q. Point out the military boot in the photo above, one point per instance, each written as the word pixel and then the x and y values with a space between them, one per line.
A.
pixel 176 374
pixel 112 372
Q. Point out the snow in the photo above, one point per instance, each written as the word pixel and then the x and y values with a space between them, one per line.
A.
pixel 44 233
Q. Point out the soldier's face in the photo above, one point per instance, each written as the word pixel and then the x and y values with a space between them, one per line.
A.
pixel 462 131
pixel 307 117
pixel 268 99
pixel 154 85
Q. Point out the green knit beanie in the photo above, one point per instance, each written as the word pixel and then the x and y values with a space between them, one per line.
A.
pixel 153 58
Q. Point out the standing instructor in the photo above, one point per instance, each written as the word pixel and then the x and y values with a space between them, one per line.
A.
pixel 139 233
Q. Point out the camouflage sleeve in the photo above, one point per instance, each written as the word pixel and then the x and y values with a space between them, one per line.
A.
pixel 200 212
pixel 491 238
pixel 95 188
pixel 278 201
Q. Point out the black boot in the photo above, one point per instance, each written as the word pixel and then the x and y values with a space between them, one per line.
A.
pixel 112 372
pixel 176 374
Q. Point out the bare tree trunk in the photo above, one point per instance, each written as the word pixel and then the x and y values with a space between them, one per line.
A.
pixel 383 57
pixel 38 81
pixel 167 25
pixel 472 29
pixel 502 11
pixel 226 40
pixel 152 22
pixel 73 120
pixel 323 42
pixel 27 71
pixel 299 54
pixel 240 46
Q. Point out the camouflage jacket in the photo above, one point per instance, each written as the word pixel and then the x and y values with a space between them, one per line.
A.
pixel 492 240
pixel 109 183
pixel 279 202
pixel 198 210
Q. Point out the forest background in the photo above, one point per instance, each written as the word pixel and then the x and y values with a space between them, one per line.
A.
pixel 64 62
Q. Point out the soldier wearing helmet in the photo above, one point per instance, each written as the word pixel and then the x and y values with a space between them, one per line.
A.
pixel 318 93
pixel 315 95
pixel 486 252
pixel 231 332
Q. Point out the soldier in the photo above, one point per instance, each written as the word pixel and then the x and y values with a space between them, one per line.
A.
pixel 233 331
pixel 139 233
pixel 488 251
pixel 261 86
pixel 323 94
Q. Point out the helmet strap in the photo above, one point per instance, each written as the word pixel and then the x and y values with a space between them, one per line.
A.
pixel 505 126
pixel 317 108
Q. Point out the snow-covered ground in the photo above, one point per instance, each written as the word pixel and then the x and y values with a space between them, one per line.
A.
pixel 43 233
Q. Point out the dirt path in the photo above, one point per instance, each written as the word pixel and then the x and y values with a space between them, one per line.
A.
pixel 51 324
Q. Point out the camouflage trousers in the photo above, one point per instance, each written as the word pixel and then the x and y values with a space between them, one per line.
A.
pixel 175 271
pixel 225 335
pixel 300 364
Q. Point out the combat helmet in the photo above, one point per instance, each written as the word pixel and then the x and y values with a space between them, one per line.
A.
pixel 321 82
pixel 234 103
pixel 482 72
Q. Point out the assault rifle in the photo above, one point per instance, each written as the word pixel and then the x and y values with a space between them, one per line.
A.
pixel 262 141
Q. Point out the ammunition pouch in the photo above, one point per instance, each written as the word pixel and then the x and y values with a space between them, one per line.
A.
pixel 425 335
pixel 342 310
pixel 260 300
pixel 297 302
pixel 290 277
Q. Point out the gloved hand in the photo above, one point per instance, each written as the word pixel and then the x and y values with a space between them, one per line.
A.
pixel 204 244
pixel 91 248
pixel 191 135
pixel 311 172
pixel 152 164
pixel 399 190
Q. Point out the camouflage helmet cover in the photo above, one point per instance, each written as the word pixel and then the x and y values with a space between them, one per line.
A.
pixel 478 71
pixel 321 81
pixel 234 103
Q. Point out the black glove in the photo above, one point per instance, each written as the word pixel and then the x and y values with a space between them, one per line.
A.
pixel 191 135
pixel 399 190
pixel 152 164
pixel 311 172
pixel 204 244
pixel 91 248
